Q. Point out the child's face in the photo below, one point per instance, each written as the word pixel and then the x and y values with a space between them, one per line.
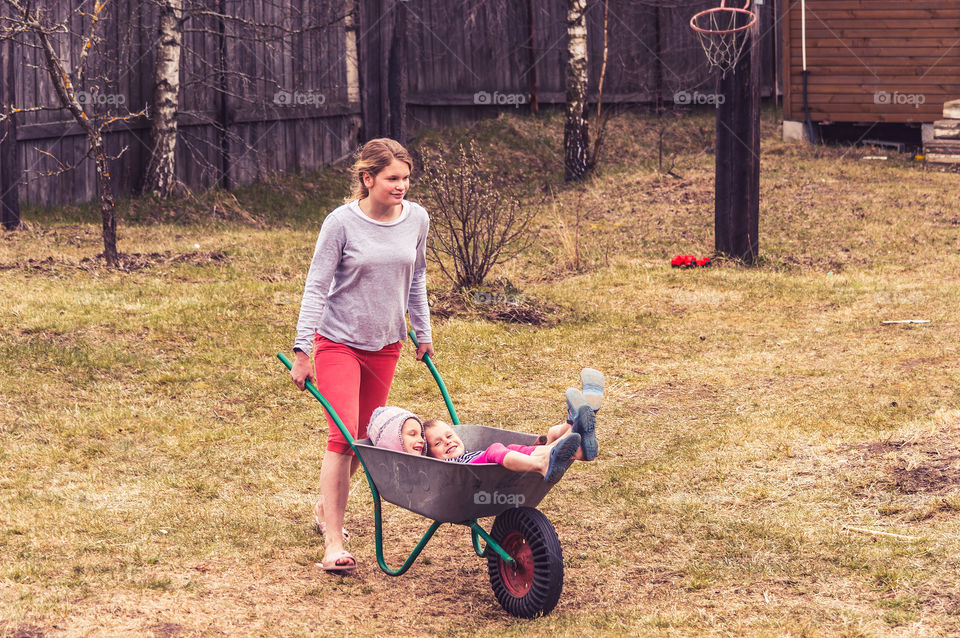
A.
pixel 389 185
pixel 412 436
pixel 443 442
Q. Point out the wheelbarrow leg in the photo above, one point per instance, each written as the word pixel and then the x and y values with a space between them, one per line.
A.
pixel 378 522
pixel 477 533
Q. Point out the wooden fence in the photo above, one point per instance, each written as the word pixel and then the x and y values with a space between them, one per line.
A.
pixel 327 75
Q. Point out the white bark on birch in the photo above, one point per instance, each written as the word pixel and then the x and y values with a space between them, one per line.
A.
pixel 160 177
pixel 575 132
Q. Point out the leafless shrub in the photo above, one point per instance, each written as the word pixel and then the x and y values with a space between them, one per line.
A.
pixel 475 223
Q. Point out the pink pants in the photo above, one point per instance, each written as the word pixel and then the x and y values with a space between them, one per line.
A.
pixel 497 451
pixel 355 382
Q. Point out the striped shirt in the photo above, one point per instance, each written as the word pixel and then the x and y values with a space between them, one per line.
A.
pixel 466 457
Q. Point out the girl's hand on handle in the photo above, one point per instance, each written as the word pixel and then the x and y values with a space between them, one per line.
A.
pixel 302 370
pixel 424 348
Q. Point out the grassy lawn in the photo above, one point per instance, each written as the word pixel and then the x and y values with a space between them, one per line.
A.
pixel 774 459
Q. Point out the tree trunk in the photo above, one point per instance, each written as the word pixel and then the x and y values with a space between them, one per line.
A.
pixel 575 133
pixel 107 209
pixel 64 86
pixel 160 177
pixel 352 64
pixel 737 176
pixel 223 179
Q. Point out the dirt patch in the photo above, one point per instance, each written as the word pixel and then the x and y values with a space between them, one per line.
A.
pixel 806 262
pixel 129 262
pixel 910 364
pixel 498 301
pixel 679 192
pixel 39 265
pixel 940 474
pixel 924 463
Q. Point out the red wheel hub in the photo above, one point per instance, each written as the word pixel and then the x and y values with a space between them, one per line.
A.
pixel 517 578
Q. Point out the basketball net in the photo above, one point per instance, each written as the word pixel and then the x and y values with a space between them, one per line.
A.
pixel 723 33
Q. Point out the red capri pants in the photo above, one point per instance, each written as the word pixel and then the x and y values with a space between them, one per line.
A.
pixel 355 382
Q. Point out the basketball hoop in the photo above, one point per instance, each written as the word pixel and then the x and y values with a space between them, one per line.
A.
pixel 723 33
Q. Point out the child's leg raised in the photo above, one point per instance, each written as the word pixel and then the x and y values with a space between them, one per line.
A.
pixel 531 459
pixel 520 462
pixel 550 461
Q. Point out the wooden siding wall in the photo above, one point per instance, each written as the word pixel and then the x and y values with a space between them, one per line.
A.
pixel 872 60
pixel 455 51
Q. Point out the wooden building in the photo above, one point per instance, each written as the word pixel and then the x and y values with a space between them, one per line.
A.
pixel 870 61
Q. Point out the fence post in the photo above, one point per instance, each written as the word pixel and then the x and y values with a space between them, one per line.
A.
pixel 9 155
pixel 369 55
pixel 397 74
pixel 223 114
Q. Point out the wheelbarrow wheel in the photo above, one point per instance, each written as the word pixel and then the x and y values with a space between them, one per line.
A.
pixel 532 587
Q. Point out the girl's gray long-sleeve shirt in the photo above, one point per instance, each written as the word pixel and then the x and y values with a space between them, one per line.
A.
pixel 365 275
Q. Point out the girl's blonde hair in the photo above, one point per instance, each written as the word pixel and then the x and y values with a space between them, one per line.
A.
pixel 429 423
pixel 373 157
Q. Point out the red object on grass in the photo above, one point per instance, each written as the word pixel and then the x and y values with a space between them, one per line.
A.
pixel 689 261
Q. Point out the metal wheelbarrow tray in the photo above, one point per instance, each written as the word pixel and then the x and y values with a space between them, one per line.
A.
pixel 454 492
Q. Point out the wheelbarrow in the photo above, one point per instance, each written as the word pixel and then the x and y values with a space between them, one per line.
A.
pixel 524 559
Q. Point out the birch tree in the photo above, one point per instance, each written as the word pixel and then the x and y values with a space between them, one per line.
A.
pixel 575 130
pixel 160 177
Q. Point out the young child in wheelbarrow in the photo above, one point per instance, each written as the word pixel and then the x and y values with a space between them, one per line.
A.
pixel 399 429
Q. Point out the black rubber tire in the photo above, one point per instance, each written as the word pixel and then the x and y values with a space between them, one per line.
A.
pixel 533 588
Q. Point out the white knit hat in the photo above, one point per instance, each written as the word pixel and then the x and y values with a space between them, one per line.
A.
pixel 386 427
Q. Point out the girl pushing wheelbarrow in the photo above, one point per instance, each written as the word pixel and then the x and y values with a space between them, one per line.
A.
pixel 368 271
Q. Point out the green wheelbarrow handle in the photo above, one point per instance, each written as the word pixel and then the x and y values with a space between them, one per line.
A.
pixel 436 376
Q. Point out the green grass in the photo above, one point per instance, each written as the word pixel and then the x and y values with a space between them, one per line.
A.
pixel 158 469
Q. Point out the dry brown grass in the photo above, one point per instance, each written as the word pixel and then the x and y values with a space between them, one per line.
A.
pixel 157 468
